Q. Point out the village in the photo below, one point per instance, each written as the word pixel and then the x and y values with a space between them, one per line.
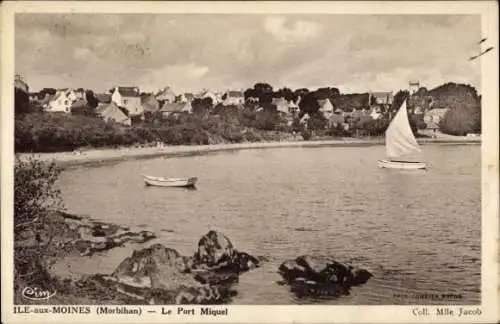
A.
pixel 126 105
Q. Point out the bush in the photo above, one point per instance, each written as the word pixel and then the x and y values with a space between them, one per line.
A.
pixel 35 198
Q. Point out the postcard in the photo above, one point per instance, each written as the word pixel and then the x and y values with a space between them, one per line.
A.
pixel 260 162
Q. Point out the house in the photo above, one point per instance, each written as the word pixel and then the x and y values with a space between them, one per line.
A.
pixel 62 101
pixel 414 85
pixel 252 99
pixel 34 97
pixel 44 100
pixel 185 97
pixel 281 105
pixel 418 111
pixel 375 113
pixel 209 94
pixel 149 103
pixel 111 112
pixel 128 98
pixel 20 84
pixel 103 97
pixel 80 94
pixel 381 98
pixel 233 98
pixel 435 115
pixel 325 107
pixel 336 120
pixel 165 95
pixel 293 107
pixel 175 108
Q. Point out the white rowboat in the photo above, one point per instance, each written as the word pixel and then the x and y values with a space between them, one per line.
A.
pixel 170 182
pixel 401 165
pixel 400 143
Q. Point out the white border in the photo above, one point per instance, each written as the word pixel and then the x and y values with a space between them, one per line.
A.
pixel 273 314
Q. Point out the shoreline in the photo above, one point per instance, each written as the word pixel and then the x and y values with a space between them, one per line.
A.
pixel 104 155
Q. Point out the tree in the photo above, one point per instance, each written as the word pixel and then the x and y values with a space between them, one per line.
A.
pixel 249 93
pixel 92 101
pixel 459 121
pixel 309 104
pixel 201 106
pixel 330 93
pixel 316 122
pixel 21 102
pixel 399 98
pixel 264 92
pixel 286 93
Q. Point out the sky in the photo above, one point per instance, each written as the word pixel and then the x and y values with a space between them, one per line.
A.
pixel 190 52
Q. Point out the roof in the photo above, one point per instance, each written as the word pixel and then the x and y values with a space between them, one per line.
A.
pixel 103 97
pixel 149 103
pixel 206 93
pixel 48 97
pixel 167 91
pixel 111 110
pixel 325 102
pixel 235 94
pixel 382 94
pixel 129 91
pixel 80 103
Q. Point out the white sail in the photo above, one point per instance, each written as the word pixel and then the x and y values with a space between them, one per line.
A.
pixel 399 138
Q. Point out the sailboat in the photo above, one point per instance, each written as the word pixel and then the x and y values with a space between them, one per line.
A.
pixel 402 149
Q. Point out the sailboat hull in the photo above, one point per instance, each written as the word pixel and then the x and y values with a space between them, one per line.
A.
pixel 401 165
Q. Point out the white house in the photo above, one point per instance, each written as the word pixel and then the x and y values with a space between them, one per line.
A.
pixel 281 105
pixel 381 98
pixel 62 101
pixel 435 115
pixel 234 98
pixel 176 108
pixel 305 118
pixel 165 95
pixel 293 108
pixel 128 98
pixel 325 107
pixel 375 114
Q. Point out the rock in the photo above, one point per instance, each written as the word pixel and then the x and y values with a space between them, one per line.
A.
pixel 85 236
pixel 217 253
pixel 312 276
pixel 160 275
pixel 214 249
pixel 144 262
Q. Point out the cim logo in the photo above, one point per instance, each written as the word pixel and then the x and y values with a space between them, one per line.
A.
pixel 37 293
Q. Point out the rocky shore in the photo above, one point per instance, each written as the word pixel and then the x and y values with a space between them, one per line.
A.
pixel 159 274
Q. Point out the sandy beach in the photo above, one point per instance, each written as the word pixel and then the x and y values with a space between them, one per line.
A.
pixel 98 156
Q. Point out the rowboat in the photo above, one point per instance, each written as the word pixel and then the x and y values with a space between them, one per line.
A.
pixel 401 145
pixel 170 182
